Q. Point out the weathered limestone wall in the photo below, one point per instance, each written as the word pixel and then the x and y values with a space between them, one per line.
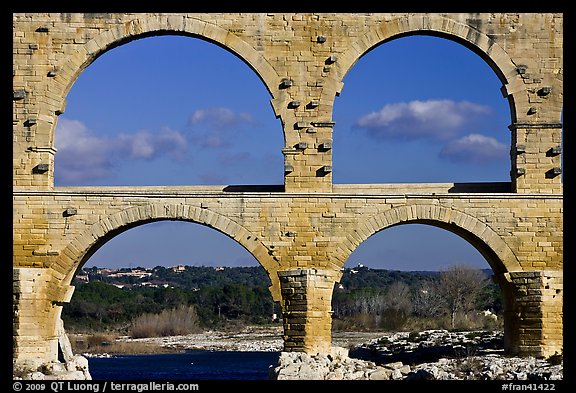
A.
pixel 284 231
pixel 302 231
pixel 524 231
pixel 302 59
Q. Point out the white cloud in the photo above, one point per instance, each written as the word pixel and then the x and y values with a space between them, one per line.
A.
pixel 219 117
pixel 80 156
pixel 221 124
pixel 83 156
pixel 149 145
pixel 434 119
pixel 474 148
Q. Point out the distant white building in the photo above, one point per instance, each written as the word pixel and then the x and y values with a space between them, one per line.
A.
pixel 132 273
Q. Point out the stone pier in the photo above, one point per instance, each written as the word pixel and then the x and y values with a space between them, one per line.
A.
pixel 307 309
pixel 533 313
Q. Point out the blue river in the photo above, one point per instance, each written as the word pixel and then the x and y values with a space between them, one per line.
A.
pixel 191 365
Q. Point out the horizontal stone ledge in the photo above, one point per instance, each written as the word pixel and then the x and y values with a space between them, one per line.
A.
pixel 372 191
pixel 305 272
pixel 533 276
pixel 540 125
pixel 427 188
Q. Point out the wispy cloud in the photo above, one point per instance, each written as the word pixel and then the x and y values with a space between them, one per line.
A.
pixel 83 156
pixel 148 145
pixel 475 148
pixel 431 119
pixel 220 117
pixel 217 127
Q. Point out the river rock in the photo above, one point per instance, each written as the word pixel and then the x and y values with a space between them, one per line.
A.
pixel 432 355
pixel 334 366
pixel 75 369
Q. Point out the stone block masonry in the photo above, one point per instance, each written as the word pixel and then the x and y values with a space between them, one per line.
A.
pixel 538 299
pixel 306 304
pixel 301 231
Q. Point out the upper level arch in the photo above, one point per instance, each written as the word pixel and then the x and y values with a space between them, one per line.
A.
pixel 167 110
pixel 442 26
pixel 86 243
pixel 148 25
pixel 495 250
pixel 421 109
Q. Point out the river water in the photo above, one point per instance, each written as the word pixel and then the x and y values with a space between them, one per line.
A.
pixel 190 365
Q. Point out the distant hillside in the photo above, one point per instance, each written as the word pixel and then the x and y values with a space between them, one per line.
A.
pixel 184 277
pixel 200 276
pixel 107 299
pixel 195 277
pixel 363 277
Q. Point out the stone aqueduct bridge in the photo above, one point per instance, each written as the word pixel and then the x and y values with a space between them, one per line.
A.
pixel 302 231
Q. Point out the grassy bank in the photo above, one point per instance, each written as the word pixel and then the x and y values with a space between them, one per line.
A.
pixel 109 343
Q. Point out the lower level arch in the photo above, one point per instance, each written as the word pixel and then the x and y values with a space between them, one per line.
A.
pixel 497 253
pixel 86 243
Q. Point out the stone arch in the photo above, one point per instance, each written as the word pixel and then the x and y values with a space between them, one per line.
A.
pixel 88 241
pixel 442 26
pixel 151 25
pixel 497 253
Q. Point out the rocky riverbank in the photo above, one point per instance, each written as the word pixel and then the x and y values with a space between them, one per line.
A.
pixel 251 338
pixel 428 355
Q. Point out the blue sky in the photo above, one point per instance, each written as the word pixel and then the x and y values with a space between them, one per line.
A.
pixel 176 110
